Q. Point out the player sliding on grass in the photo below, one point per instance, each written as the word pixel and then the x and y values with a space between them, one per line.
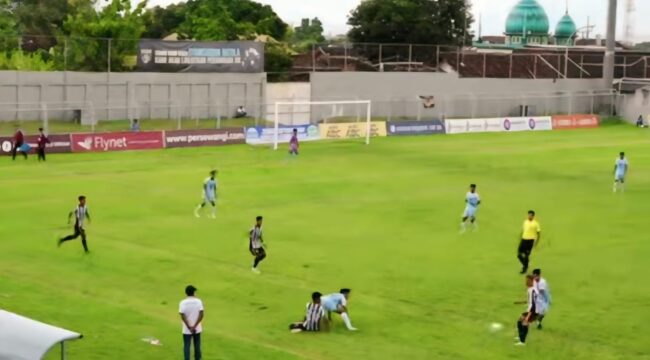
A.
pixel 620 170
pixel 338 303
pixel 314 318
pixel 80 214
pixel 472 201
pixel 209 195
pixel 256 244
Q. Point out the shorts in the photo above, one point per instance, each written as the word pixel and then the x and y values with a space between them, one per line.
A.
pixel 330 307
pixel 210 198
pixel 620 177
pixel 258 251
pixel 526 246
pixel 470 212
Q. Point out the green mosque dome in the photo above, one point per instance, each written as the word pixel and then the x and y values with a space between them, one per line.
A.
pixel 527 15
pixel 566 28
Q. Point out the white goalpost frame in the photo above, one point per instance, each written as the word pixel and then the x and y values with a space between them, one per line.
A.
pixel 368 104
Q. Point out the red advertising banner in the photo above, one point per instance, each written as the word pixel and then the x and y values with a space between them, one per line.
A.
pixel 58 144
pixel 208 137
pixel 562 122
pixel 118 141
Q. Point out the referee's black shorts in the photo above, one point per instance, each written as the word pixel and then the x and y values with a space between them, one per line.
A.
pixel 526 246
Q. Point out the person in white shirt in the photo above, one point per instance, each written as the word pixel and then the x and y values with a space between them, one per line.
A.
pixel 543 296
pixel 191 311
pixel 338 303
pixel 472 201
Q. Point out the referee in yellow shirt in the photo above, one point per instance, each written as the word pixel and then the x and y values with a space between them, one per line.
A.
pixel 530 236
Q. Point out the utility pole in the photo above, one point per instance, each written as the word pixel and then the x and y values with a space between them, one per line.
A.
pixel 610 51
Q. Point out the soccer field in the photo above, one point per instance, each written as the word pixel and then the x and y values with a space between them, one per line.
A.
pixel 380 219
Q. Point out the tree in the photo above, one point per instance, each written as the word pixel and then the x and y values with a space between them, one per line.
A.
pixel 40 21
pixel 308 33
pixel 230 20
pixel 8 27
pixel 160 22
pixel 117 26
pixel 411 22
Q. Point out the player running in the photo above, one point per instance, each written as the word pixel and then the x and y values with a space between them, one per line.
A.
pixel 80 214
pixel 209 195
pixel 293 143
pixel 256 244
pixel 338 303
pixel 314 318
pixel 620 170
pixel 543 297
pixel 472 201
pixel 530 236
pixel 531 311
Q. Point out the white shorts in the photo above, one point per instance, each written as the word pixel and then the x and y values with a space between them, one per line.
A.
pixel 209 197
pixel 470 211
pixel 329 306
pixel 619 177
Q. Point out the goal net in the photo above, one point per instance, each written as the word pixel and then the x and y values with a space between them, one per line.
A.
pixel 324 120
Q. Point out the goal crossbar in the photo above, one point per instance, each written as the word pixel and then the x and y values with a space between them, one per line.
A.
pixel 368 104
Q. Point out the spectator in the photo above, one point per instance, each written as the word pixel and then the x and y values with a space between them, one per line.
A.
pixel 19 141
pixel 639 122
pixel 191 311
pixel 241 112
pixel 42 142
pixel 135 126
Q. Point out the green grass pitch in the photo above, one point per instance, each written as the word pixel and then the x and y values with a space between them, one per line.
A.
pixel 381 219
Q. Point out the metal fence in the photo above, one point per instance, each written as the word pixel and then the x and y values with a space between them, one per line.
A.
pixel 90 117
pixel 45 53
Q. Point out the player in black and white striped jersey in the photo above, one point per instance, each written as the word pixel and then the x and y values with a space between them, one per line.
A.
pixel 531 311
pixel 256 244
pixel 80 214
pixel 315 319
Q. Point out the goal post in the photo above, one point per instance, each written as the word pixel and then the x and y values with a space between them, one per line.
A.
pixel 312 113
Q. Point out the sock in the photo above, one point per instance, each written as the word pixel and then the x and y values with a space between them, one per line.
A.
pixel 463 226
pixel 475 225
pixel 214 211
pixel 346 320
pixel 615 187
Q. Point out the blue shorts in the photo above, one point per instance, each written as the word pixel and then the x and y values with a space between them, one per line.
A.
pixel 470 211
pixel 210 197
pixel 619 177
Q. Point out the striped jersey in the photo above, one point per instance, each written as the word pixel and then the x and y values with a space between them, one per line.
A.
pixel 80 215
pixel 313 316
pixel 532 300
pixel 256 237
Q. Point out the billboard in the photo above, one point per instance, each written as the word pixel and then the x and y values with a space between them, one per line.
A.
pixel 262 135
pixel 565 122
pixel 414 127
pixel 201 56
pixel 58 144
pixel 511 124
pixel 207 137
pixel 118 141
pixel 352 130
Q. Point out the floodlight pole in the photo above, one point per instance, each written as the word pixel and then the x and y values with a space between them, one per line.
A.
pixel 610 51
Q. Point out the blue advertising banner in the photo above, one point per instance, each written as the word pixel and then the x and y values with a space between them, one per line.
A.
pixel 263 135
pixel 414 127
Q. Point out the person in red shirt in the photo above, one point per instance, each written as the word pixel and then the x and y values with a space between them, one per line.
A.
pixel 42 142
pixel 19 141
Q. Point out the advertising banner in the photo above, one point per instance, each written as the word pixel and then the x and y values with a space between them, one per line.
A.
pixel 118 141
pixel 262 135
pixel 201 56
pixel 58 144
pixel 415 127
pixel 565 122
pixel 540 123
pixel 352 130
pixel 207 137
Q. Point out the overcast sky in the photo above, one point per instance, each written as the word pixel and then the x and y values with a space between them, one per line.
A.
pixel 334 13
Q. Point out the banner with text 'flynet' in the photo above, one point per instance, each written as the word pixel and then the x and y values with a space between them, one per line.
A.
pixel 509 124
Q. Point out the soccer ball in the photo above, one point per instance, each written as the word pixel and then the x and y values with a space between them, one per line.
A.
pixel 495 327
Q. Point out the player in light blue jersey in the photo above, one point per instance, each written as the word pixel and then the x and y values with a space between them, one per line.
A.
pixel 209 195
pixel 620 170
pixel 472 201
pixel 338 303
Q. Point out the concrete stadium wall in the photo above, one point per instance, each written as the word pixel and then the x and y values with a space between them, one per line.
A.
pixel 111 96
pixel 633 105
pixel 396 94
pixel 288 92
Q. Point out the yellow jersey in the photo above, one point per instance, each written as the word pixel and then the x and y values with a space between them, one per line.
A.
pixel 531 230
